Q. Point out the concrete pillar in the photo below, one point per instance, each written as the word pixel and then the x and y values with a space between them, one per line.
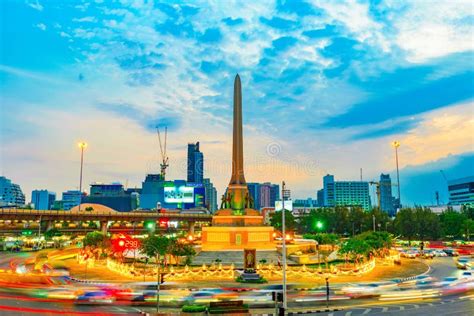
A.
pixel 191 228
pixel 49 225
pixel 103 227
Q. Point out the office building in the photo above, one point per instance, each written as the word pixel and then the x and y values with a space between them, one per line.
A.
pixel 345 193
pixel 10 194
pixel 461 191
pixel 112 195
pixel 387 201
pixel 106 189
pixel 254 192
pixel 43 199
pixel 210 195
pixel 71 198
pixel 264 194
pixel 195 163
pixel 320 198
pixel 177 194
pixel 306 203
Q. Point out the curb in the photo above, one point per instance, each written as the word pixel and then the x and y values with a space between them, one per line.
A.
pixel 413 277
pixel 326 310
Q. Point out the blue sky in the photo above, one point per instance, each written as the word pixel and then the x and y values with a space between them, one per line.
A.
pixel 327 86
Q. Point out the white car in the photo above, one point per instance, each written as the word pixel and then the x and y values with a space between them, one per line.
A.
pixel 439 253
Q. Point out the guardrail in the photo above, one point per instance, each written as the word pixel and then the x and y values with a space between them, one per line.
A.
pixel 132 214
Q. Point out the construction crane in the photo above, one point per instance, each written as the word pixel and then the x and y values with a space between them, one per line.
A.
pixel 164 164
pixel 377 188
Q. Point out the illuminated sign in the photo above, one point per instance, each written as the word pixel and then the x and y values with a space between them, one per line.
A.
pixel 180 194
pixel 125 243
pixel 288 205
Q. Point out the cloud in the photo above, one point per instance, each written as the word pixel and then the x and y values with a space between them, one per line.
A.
pixel 232 22
pixel 89 19
pixel 398 128
pixel 36 5
pixel 41 26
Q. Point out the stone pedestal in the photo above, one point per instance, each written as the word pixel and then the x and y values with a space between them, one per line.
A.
pixel 233 238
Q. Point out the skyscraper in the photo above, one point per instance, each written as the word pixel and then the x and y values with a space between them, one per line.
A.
pixel 345 193
pixel 387 201
pixel 71 198
pixel 43 199
pixel 254 192
pixel 264 194
pixel 210 195
pixel 195 163
pixel 10 193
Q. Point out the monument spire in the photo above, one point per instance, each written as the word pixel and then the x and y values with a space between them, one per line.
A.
pixel 237 146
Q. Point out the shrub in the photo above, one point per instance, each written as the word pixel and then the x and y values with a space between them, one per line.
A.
pixel 193 308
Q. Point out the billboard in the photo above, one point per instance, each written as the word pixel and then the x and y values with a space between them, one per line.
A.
pixel 288 205
pixel 181 194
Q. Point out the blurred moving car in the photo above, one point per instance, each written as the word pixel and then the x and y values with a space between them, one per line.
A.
pixel 439 253
pixel 95 297
pixel 463 263
pixel 451 252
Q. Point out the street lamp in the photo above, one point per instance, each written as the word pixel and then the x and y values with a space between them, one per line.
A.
pixel 82 146
pixel 283 232
pixel 396 144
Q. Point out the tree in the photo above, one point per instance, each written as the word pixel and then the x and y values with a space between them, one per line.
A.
pixel 405 223
pixel 96 241
pixel 356 248
pixel 290 222
pixel 53 232
pixel 467 228
pixel 156 247
pixel 89 209
pixel 177 249
pixel 451 222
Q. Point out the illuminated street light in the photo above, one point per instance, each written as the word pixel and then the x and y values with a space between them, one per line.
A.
pixel 396 144
pixel 319 225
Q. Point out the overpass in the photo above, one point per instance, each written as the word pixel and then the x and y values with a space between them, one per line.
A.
pixel 102 216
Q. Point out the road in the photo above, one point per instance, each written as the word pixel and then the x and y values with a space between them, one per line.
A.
pixel 23 302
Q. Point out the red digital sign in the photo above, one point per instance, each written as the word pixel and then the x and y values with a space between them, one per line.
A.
pixel 123 243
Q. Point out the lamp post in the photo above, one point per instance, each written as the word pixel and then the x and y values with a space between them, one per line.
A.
pixel 82 146
pixel 283 231
pixel 396 144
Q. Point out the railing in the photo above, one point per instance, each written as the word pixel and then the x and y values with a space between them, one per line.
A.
pixel 4 211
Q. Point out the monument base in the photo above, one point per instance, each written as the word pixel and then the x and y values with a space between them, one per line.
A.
pixel 234 238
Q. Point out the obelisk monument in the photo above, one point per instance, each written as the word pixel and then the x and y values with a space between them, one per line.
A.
pixel 236 225
pixel 237 191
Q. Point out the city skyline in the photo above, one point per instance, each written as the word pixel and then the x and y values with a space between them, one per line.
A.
pixel 323 80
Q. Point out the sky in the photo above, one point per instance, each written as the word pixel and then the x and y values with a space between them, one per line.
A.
pixel 327 87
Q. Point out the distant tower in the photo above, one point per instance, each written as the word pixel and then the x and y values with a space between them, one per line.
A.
pixel 195 163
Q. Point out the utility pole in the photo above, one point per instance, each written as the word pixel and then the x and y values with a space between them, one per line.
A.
pixel 396 144
pixel 82 146
pixel 373 221
pixel 283 246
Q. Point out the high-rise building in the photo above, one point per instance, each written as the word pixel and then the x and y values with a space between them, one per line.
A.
pixel 210 195
pixel 254 192
pixel 320 198
pixel 10 193
pixel 114 196
pixel 71 198
pixel 387 201
pixel 461 191
pixel 195 163
pixel 264 194
pixel 329 190
pixel 107 189
pixel 177 194
pixel 345 193
pixel 43 199
pixel 152 191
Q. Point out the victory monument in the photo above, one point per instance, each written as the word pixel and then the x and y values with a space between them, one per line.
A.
pixel 237 225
